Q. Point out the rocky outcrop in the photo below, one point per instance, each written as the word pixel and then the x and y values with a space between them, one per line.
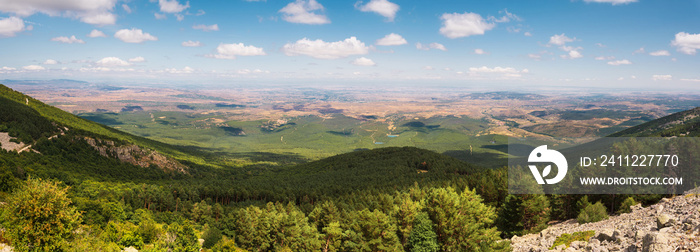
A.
pixel 135 155
pixel 673 224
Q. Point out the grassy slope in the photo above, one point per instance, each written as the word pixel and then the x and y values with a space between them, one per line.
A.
pixel 74 122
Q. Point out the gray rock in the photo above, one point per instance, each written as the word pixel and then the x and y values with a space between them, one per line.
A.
pixel 130 249
pixel 606 234
pixel 639 236
pixel 560 247
pixel 636 207
pixel 576 245
pixel 655 242
pixel 663 220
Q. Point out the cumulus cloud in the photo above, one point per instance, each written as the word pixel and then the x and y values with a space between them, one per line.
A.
pixel 457 25
pixel 10 26
pixel 613 2
pixel 185 70
pixel 391 39
pixel 112 62
pixel 658 77
pixel 134 35
pixel 230 51
pixel 362 61
pixel 68 40
pixel 33 68
pixel 640 50
pixel 91 12
pixel 535 56
pixel 50 62
pixel 660 53
pixel 480 51
pixel 381 7
pixel 619 62
pixel 326 50
pixel 159 16
pixel 191 43
pixel 304 12
pixel 528 34
pixel 206 28
pixel 560 40
pixel 433 45
pixel 137 59
pixel 502 71
pixel 687 43
pixel 96 33
pixel 172 6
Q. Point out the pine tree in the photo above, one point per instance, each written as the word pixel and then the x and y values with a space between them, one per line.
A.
pixel 422 237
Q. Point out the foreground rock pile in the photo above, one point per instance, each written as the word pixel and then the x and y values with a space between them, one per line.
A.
pixel 673 224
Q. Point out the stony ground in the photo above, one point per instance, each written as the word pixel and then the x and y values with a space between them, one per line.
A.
pixel 673 224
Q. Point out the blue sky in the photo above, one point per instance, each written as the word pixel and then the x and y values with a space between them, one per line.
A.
pixel 587 43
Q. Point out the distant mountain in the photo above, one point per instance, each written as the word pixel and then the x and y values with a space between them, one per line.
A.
pixel 684 123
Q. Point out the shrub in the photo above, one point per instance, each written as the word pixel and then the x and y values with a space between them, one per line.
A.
pixel 423 237
pixel 626 204
pixel 40 216
pixel 593 213
pixel 566 239
pixel 211 236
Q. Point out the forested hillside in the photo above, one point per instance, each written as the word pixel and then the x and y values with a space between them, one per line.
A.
pixel 368 200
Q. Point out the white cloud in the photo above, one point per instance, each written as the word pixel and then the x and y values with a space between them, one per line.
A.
pixel 50 62
pixel 600 45
pixel 428 68
pixel 605 58
pixel 126 8
pixel 185 70
pixel 457 25
pixel 96 33
pixel 573 54
pixel 33 68
pixel 381 7
pixel 528 34
pixel 206 28
pixel 660 53
pixel 159 16
pixel 433 45
pixel 640 50
pixel 104 18
pixel 172 6
pixel 560 40
pixel 91 12
pixel 657 77
pixel 479 51
pixel 619 62
pixel 7 69
pixel 326 50
pixel 200 12
pixel 137 59
pixel 112 62
pixel 68 40
pixel 134 36
pixel 508 72
pixel 303 12
pixel 534 56
pixel 191 43
pixel 230 51
pixel 506 18
pixel 362 61
pixel 691 80
pixel 613 2
pixel 179 17
pixel 10 26
pixel 391 40
pixel 687 43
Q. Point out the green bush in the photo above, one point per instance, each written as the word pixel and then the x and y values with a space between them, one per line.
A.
pixel 626 204
pixel 593 213
pixel 40 216
pixel 211 236
pixel 566 239
pixel 423 237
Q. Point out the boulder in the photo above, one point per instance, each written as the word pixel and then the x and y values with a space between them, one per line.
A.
pixel 663 220
pixel 655 242
pixel 607 234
